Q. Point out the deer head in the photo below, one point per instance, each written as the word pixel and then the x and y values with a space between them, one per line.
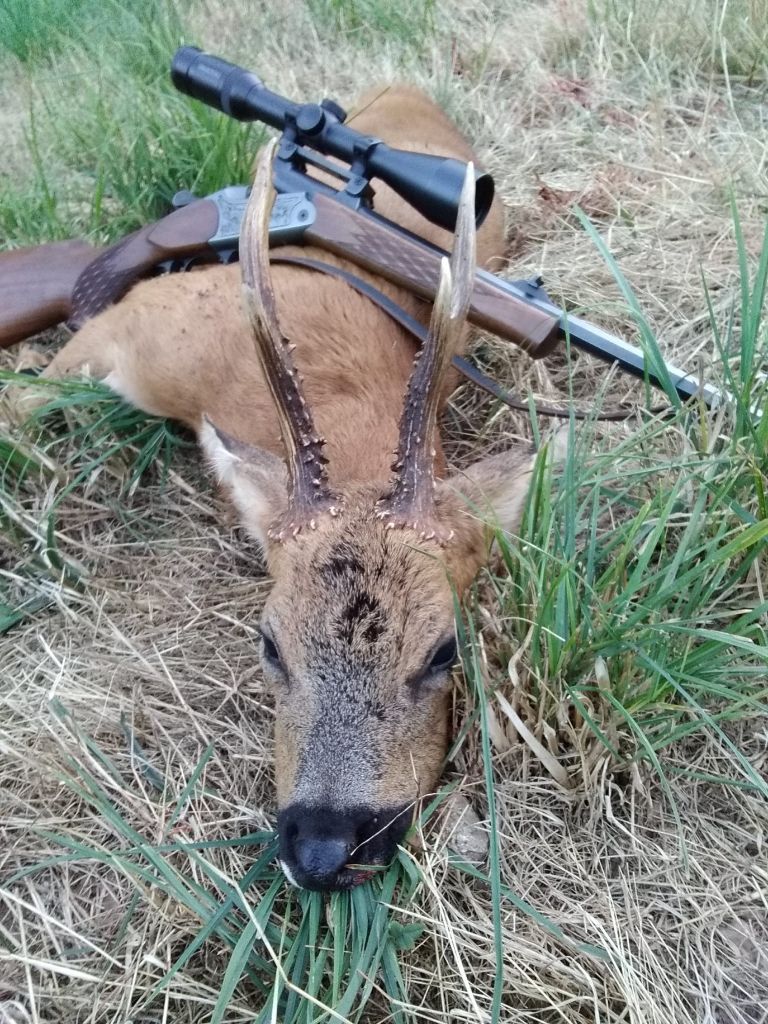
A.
pixel 358 638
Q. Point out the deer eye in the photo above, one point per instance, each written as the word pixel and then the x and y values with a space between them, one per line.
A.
pixel 270 650
pixel 444 656
pixel 432 676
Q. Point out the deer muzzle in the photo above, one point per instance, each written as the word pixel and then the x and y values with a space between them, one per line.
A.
pixel 324 848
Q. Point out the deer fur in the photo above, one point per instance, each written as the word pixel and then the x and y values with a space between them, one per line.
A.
pixel 359 614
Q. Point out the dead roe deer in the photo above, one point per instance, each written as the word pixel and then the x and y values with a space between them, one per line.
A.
pixel 358 631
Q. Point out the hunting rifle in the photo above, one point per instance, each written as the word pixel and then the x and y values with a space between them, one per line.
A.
pixel 72 281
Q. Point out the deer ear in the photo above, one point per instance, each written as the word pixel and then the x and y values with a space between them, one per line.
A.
pixel 495 488
pixel 256 480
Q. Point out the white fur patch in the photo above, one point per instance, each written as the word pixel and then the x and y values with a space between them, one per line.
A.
pixel 118 383
pixel 255 480
pixel 113 382
pixel 220 458
pixel 288 875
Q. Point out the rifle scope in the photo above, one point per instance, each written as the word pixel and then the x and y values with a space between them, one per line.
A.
pixel 431 184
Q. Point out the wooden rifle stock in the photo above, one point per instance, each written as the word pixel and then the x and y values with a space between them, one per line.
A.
pixel 181 234
pixel 73 281
pixel 405 260
pixel 36 287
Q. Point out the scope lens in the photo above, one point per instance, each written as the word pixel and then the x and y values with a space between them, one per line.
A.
pixel 484 190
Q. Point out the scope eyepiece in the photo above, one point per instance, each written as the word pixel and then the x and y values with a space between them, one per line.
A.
pixel 226 87
pixel 431 184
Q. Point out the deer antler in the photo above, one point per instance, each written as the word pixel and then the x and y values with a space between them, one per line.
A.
pixel 308 492
pixel 411 501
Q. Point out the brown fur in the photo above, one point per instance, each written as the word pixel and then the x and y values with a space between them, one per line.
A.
pixel 356 609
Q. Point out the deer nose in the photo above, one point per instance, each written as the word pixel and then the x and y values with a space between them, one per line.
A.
pixel 321 859
pixel 317 844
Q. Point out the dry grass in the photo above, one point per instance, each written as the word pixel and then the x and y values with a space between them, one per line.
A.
pixel 648 116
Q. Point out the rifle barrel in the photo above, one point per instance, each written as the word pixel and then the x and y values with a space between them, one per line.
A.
pixel 612 349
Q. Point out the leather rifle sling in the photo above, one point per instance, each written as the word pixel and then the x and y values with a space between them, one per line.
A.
pixel 410 324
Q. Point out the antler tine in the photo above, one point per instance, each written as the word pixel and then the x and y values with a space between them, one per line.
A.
pixel 411 500
pixel 308 483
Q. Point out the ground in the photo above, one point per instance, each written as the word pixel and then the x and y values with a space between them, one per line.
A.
pixel 610 717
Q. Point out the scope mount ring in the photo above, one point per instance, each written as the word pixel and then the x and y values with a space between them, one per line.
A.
pixel 358 185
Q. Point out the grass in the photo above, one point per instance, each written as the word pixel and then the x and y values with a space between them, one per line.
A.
pixel 281 943
pixel 371 23
pixel 97 432
pixel 734 41
pixel 32 31
pixel 113 170
pixel 611 732
pixel 661 596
